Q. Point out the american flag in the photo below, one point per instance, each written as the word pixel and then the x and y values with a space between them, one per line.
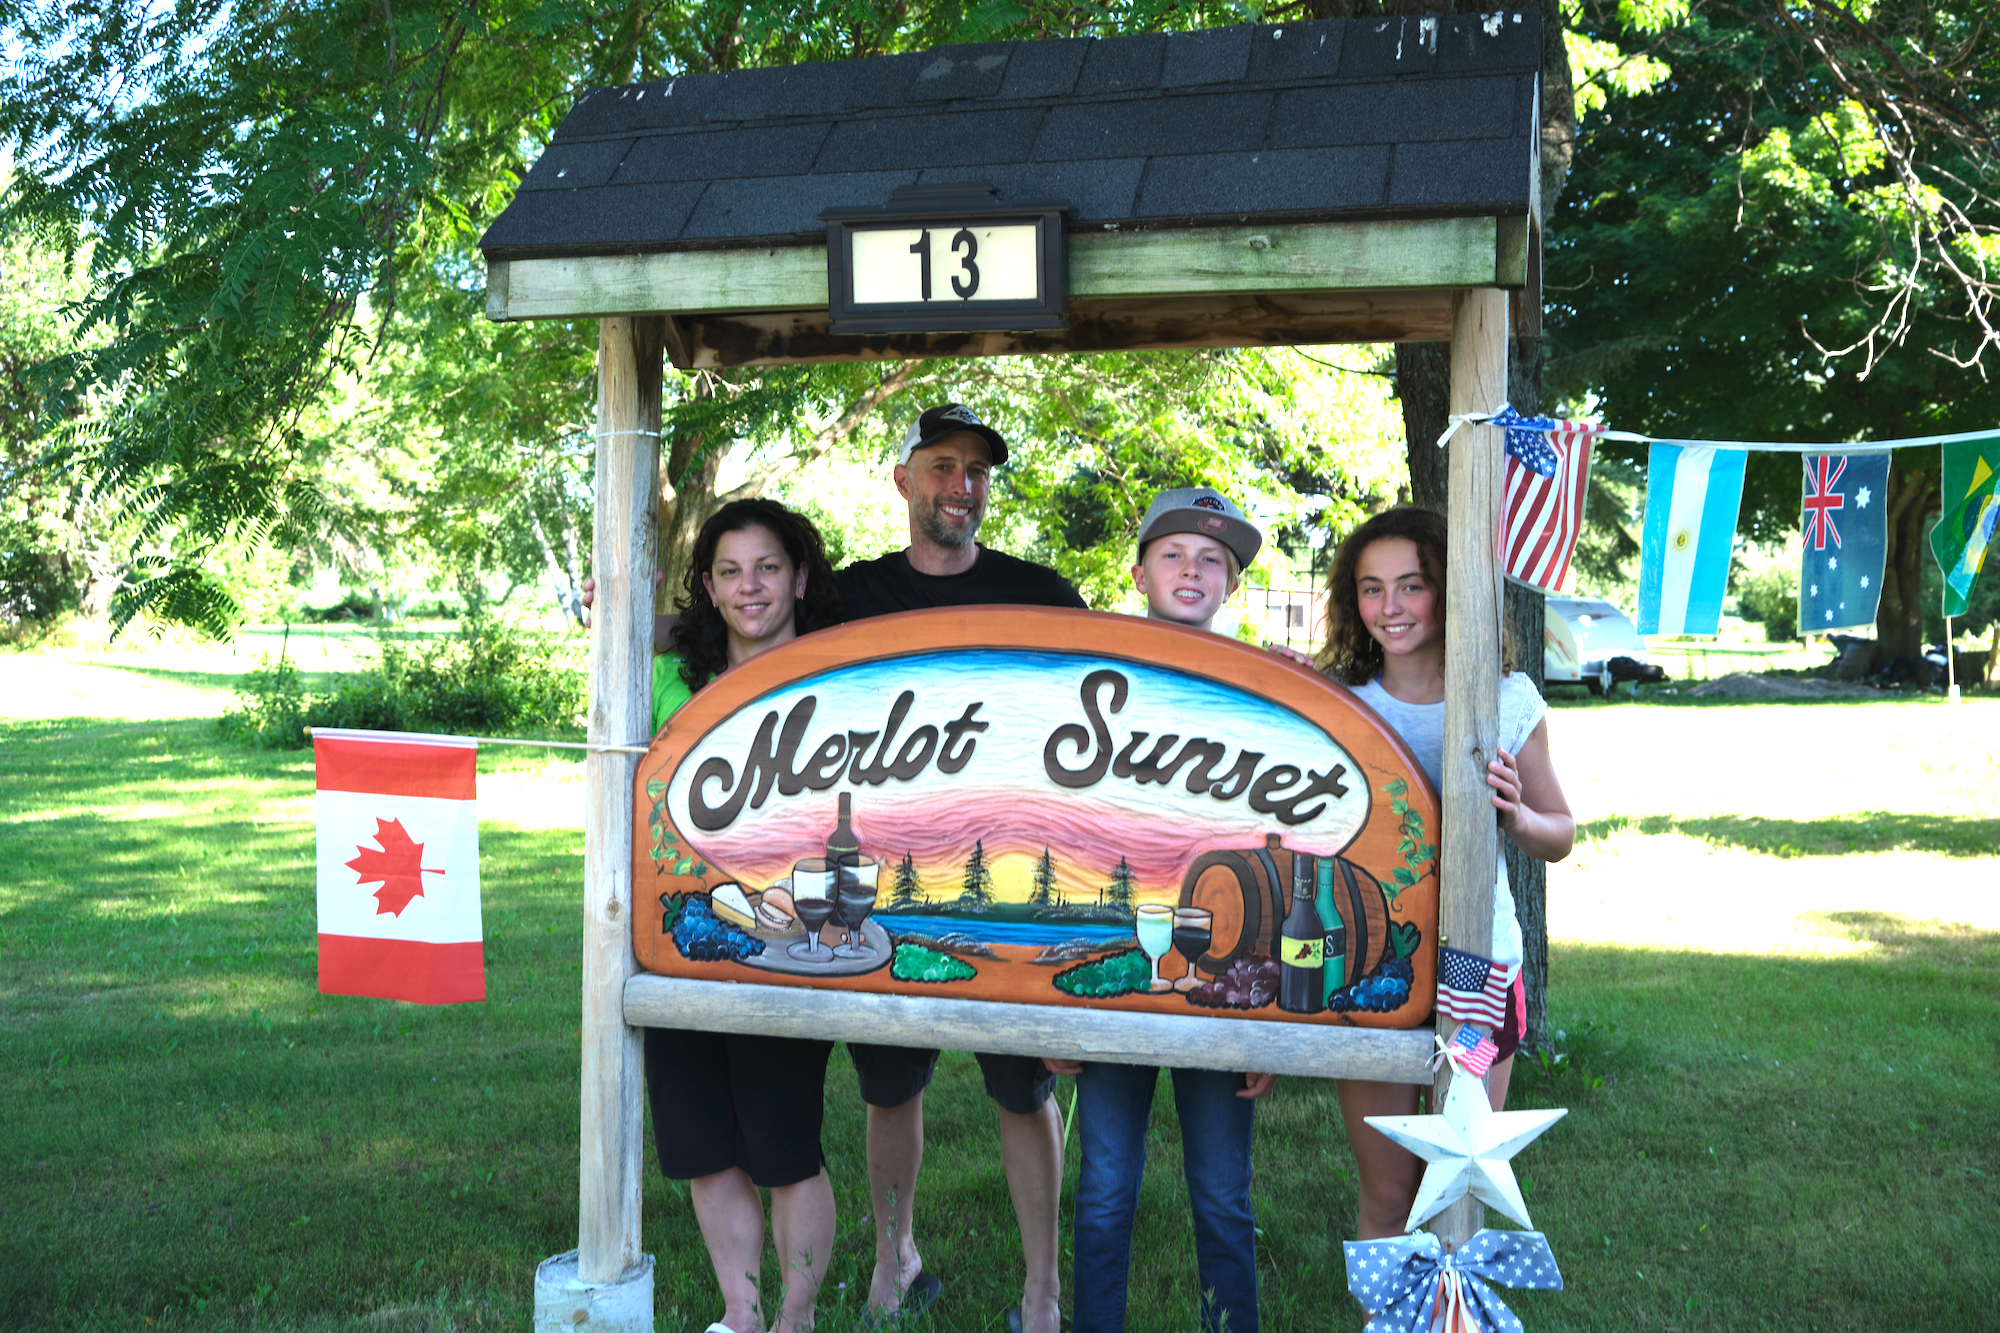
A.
pixel 1472 1050
pixel 1472 989
pixel 1546 475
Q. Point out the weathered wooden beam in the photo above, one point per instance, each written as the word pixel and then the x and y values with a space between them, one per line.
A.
pixel 1019 1029
pixel 621 655
pixel 1301 257
pixel 797 336
pixel 1469 847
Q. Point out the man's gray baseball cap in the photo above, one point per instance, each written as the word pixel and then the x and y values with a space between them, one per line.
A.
pixel 949 419
pixel 1206 513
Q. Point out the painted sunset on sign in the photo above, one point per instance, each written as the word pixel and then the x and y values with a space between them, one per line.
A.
pixel 1102 760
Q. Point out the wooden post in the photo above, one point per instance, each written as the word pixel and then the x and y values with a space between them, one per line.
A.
pixel 1469 850
pixel 621 656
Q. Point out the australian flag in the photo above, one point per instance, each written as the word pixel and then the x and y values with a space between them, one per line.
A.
pixel 1844 528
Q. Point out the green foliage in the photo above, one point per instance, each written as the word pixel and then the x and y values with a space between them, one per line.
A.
pixel 1042 890
pixel 1770 595
pixel 914 962
pixel 1124 973
pixel 1116 894
pixel 485 677
pixel 270 707
pixel 908 892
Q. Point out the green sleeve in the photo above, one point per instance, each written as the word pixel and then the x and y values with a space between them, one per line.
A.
pixel 669 690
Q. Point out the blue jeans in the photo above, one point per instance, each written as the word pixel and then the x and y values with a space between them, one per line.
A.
pixel 1113 1103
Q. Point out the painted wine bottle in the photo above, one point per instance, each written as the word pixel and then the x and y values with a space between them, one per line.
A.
pixel 842 842
pixel 1302 946
pixel 1334 955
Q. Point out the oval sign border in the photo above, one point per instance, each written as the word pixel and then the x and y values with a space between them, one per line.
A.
pixel 1354 726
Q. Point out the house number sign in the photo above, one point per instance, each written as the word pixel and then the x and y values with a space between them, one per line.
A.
pixel 946 259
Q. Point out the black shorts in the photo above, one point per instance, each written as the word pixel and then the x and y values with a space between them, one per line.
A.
pixel 723 1099
pixel 891 1075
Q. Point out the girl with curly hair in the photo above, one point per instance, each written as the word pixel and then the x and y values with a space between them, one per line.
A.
pixel 733 1113
pixel 1385 642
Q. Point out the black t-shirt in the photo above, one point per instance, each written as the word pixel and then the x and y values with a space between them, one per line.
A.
pixel 889 583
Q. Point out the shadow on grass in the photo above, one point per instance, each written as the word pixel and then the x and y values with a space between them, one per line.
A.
pixel 1869 831
pixel 196 1137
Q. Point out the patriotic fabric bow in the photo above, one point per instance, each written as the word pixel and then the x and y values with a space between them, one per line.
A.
pixel 1413 1286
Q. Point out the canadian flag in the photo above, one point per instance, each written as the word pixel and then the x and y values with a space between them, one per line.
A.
pixel 398 829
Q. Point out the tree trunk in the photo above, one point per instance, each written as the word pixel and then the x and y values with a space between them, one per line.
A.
pixel 1526 618
pixel 1423 382
pixel 687 498
pixel 1913 504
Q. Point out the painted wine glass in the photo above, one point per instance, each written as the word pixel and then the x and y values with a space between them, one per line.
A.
pixel 1194 932
pixel 813 900
pixel 854 899
pixel 1156 937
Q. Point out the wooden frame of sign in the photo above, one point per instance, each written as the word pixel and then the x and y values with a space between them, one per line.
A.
pixel 1250 285
pixel 1047 832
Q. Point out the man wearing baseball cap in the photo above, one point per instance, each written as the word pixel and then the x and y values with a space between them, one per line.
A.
pixel 944 472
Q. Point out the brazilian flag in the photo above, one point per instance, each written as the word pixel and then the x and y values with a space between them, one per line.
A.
pixel 1971 509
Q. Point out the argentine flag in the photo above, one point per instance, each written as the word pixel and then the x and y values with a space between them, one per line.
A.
pixel 1692 492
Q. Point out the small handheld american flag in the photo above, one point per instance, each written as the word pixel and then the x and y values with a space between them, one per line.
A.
pixel 1471 1050
pixel 1472 989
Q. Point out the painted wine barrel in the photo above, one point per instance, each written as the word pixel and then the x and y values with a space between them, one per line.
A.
pixel 1250 891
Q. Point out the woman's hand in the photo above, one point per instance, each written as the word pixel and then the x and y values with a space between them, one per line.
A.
pixel 1291 654
pixel 1069 1068
pixel 1256 1085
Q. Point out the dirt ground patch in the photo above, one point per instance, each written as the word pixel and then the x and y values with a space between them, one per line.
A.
pixel 1743 685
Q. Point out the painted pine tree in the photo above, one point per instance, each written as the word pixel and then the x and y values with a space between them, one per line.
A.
pixel 1043 891
pixel 977 887
pixel 907 893
pixel 1118 893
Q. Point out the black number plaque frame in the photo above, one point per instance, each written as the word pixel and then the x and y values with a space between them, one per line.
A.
pixel 946 208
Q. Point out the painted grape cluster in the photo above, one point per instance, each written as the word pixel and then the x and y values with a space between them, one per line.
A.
pixel 699 934
pixel 1387 989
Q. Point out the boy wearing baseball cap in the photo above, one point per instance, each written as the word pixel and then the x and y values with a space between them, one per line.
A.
pixel 1193 546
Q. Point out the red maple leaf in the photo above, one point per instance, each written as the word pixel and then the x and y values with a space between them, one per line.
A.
pixel 398 867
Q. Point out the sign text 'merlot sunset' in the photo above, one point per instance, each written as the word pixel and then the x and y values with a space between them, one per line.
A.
pixel 777 758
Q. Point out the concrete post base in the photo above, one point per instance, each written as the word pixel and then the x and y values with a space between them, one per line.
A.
pixel 564 1304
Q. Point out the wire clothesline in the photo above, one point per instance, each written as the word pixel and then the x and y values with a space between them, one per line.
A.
pixel 418 738
pixel 1457 419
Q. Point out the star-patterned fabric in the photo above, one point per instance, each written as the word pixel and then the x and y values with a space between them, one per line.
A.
pixel 1404 1280
pixel 1844 525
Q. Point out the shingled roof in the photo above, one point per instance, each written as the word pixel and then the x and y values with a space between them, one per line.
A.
pixel 1412 117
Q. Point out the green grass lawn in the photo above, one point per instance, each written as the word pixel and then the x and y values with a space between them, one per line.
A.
pixel 1776 966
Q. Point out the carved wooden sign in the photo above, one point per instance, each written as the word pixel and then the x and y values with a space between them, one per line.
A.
pixel 1046 807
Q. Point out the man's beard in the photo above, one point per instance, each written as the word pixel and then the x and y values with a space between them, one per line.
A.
pixel 945 532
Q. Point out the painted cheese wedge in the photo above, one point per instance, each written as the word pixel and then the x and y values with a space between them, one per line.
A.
pixel 1047 807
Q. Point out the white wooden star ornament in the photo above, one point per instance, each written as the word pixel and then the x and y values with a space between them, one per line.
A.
pixel 1467 1145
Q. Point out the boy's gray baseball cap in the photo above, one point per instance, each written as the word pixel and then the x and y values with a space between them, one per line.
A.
pixel 949 419
pixel 1206 513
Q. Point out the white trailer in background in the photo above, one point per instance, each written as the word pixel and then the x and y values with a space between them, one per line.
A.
pixel 1580 639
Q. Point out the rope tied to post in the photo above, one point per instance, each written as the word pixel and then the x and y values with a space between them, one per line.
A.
pixel 1458 419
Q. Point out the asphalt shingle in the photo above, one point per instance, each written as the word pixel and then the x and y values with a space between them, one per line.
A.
pixel 948 139
pixel 1420 116
pixel 1194 123
pixel 1275 182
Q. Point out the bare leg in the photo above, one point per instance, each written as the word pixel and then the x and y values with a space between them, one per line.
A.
pixel 1031 1153
pixel 1389 1174
pixel 1496 1082
pixel 802 1227
pixel 895 1154
pixel 731 1215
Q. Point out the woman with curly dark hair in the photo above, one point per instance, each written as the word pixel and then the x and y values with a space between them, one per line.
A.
pixel 706 639
pixel 1385 642
pixel 733 1113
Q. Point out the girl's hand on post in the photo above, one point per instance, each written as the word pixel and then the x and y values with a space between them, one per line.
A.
pixel 1290 654
pixel 1503 775
pixel 1070 1068
pixel 1256 1085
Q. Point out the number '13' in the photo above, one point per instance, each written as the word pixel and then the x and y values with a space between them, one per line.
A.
pixel 962 239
